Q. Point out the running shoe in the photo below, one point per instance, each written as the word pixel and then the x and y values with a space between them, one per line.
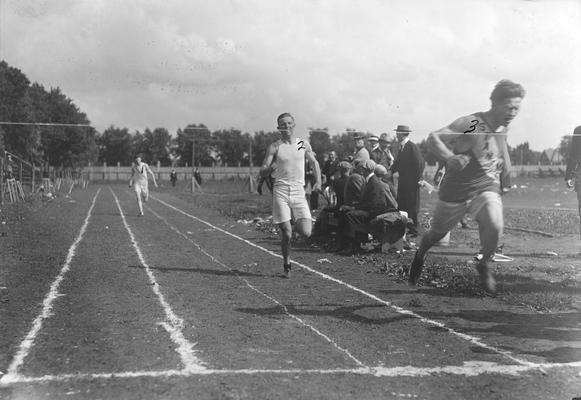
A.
pixel 287 270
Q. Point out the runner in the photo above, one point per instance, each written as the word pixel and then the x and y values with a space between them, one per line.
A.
pixel 289 201
pixel 139 181
pixel 573 172
pixel 476 167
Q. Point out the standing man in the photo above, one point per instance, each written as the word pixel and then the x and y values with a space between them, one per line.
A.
pixel 330 168
pixel 381 153
pixel 173 177
pixel 139 181
pixel 288 198
pixel 476 166
pixel 573 172
pixel 410 166
pixel 361 153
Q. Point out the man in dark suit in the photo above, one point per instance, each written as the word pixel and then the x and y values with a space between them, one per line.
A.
pixel 573 172
pixel 373 203
pixel 410 166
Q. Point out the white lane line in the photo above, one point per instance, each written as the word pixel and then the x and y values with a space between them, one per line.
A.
pixel 286 311
pixel 472 339
pixel 469 369
pixel 47 304
pixel 173 324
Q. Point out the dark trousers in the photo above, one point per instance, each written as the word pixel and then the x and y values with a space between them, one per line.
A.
pixel 408 200
pixel 352 224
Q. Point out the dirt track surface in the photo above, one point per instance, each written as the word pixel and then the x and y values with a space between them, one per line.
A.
pixel 97 303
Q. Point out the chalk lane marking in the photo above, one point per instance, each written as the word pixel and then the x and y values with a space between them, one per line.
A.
pixel 285 309
pixel 173 323
pixel 469 369
pixel 472 339
pixel 47 303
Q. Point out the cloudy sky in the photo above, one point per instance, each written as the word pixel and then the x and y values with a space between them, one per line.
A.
pixel 363 64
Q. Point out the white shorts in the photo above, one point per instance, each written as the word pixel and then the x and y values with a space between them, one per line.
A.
pixel 288 202
pixel 447 215
pixel 141 188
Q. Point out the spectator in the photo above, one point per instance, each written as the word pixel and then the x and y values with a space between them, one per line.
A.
pixel 573 172
pixel 410 166
pixel 173 177
pixel 360 153
pixel 373 202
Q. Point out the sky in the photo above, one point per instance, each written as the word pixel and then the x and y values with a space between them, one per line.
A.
pixel 368 65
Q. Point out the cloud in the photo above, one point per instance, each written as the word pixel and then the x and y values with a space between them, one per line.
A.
pixel 342 63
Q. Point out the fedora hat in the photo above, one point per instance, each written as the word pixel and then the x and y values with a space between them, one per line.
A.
pixel 358 136
pixel 403 128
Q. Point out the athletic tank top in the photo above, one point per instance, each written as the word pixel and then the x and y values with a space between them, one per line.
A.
pixel 290 163
pixel 140 173
pixel 483 171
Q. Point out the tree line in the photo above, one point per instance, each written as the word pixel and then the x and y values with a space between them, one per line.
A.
pixel 77 146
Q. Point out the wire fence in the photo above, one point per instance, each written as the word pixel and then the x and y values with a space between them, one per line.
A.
pixel 22 180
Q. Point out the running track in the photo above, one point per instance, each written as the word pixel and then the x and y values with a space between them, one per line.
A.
pixel 182 303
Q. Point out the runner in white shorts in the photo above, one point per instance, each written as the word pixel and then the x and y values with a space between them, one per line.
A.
pixel 476 166
pixel 139 182
pixel 285 161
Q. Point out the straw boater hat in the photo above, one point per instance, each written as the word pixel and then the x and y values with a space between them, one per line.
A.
pixel 403 129
pixel 373 138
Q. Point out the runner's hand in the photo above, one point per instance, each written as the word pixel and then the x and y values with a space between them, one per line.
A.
pixel 569 183
pixel 457 162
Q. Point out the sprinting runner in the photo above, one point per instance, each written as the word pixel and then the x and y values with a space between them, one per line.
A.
pixel 573 172
pixel 288 199
pixel 139 181
pixel 476 166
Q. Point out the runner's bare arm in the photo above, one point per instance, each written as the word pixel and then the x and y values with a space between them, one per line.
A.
pixel 266 168
pixel 315 164
pixel 152 175
pixel 131 177
pixel 456 136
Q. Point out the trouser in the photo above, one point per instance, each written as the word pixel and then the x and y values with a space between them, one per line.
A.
pixel 408 200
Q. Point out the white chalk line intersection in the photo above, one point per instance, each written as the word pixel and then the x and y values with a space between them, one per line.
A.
pixel 48 301
pixel 469 369
pixel 174 324
pixel 285 308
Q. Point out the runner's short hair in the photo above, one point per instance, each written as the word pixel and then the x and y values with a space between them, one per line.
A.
pixel 284 115
pixel 506 89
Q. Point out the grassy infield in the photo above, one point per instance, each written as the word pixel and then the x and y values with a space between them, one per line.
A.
pixel 540 281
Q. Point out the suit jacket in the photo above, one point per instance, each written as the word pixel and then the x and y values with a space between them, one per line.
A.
pixel 374 199
pixel 353 189
pixel 410 165
pixel 574 159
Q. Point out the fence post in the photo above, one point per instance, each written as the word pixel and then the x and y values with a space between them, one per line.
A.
pixel 118 165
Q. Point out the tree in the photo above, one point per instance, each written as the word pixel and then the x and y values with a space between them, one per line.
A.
pixel 261 142
pixel 564 147
pixel 31 104
pixel 202 144
pixel 320 142
pixel 115 145
pixel 231 146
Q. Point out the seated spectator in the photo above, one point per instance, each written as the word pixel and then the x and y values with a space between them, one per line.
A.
pixel 373 202
pixel 327 221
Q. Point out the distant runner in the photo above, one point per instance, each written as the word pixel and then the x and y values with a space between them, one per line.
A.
pixel 139 181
